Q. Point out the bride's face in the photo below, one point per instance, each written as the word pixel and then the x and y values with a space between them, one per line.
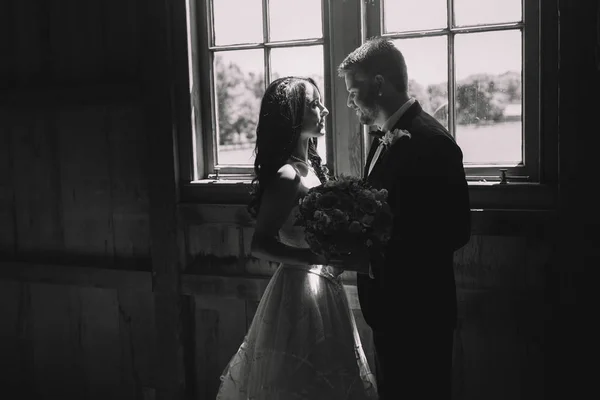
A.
pixel 313 124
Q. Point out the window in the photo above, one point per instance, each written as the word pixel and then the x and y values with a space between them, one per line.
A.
pixel 244 51
pixel 466 62
pixel 473 64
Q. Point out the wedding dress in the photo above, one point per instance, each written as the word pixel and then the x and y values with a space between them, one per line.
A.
pixel 303 342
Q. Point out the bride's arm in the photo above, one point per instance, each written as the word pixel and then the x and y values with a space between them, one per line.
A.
pixel 277 202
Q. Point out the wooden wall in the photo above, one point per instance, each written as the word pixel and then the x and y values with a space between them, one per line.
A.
pixel 500 276
pixel 74 193
pixel 100 295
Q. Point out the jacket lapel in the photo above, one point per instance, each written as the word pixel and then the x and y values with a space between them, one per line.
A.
pixel 404 123
pixel 372 150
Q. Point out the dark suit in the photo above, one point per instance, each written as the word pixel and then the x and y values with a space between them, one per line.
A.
pixel 414 283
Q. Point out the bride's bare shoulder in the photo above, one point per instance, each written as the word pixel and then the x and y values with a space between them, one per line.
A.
pixel 288 173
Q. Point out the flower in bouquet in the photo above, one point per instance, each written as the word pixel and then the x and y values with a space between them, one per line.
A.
pixel 343 215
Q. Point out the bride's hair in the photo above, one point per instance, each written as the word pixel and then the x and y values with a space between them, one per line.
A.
pixel 277 134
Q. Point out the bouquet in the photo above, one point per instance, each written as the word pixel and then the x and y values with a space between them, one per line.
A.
pixel 343 215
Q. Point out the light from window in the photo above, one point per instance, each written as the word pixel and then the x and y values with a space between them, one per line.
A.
pixel 249 52
pixel 488 96
pixel 480 53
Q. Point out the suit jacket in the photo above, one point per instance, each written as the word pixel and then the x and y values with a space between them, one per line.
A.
pixel 429 198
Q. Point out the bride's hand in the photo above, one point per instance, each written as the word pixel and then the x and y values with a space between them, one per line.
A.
pixel 319 259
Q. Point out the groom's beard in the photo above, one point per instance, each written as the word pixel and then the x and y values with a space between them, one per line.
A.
pixel 367 116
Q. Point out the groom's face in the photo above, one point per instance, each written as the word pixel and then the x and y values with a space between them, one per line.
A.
pixel 362 97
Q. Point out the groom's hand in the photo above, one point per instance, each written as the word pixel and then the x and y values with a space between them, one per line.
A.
pixel 356 260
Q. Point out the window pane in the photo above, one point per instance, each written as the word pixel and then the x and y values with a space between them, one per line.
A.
pixel 473 12
pixel 239 82
pixel 242 26
pixel 302 61
pixel 489 97
pixel 295 19
pixel 410 15
pixel 427 64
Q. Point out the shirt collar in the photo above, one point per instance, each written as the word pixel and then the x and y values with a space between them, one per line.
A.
pixel 389 124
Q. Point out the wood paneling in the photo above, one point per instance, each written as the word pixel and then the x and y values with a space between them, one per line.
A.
pixel 76 342
pixel 8 240
pixel 36 181
pixel 74 185
pixel 218 327
pixel 85 182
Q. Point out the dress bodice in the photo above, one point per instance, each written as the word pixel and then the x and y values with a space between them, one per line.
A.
pixel 293 235
pixel 290 234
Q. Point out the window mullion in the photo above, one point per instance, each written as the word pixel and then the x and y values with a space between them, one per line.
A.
pixel 266 39
pixel 530 103
pixel 344 34
pixel 205 160
pixel 371 25
pixel 451 70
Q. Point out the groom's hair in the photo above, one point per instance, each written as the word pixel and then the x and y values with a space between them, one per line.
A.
pixel 377 56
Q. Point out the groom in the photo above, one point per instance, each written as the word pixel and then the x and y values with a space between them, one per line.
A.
pixel 412 285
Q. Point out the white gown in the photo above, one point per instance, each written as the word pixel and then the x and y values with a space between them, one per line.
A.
pixel 303 342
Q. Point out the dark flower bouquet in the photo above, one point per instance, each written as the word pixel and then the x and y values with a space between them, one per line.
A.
pixel 345 215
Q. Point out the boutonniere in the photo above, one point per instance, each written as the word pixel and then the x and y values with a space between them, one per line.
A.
pixel 390 137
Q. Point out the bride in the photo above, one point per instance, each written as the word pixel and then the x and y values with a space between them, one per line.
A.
pixel 303 342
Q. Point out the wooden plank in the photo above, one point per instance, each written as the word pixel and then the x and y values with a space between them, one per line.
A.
pixel 52 96
pixel 503 262
pixel 16 363
pixel 242 288
pixel 214 249
pixel 167 246
pixel 224 287
pixel 57 342
pixel 210 214
pixel 217 192
pixel 83 276
pixel 516 222
pixel 29 22
pixel 100 343
pixel 138 342
pixel 493 196
pixel 500 222
pixel 121 26
pixel 76 38
pixel 36 184
pixel 219 331
pixel 495 362
pixel 128 163
pixel 8 239
pixel 7 42
pixel 85 184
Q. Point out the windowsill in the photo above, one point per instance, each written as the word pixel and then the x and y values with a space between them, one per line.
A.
pixel 483 194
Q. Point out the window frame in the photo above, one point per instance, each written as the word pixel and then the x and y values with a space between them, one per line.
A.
pixel 206 166
pixel 345 25
pixel 530 71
